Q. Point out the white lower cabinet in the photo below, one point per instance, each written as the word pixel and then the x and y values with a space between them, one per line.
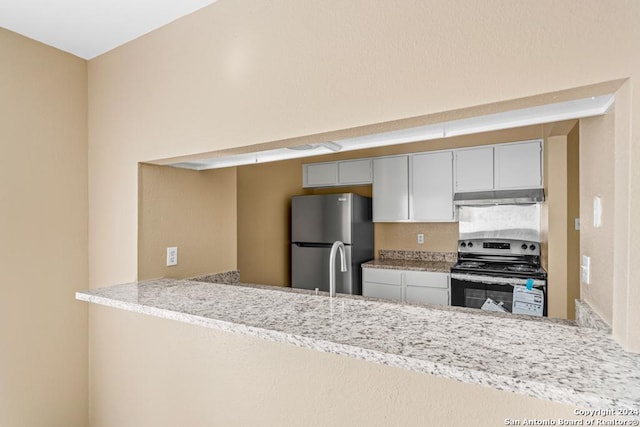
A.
pixel 406 285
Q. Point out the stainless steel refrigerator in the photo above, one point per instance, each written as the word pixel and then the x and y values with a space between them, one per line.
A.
pixel 316 223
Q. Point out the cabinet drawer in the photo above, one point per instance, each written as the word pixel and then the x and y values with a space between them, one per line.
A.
pixel 427 279
pixel 427 295
pixel 381 290
pixel 379 275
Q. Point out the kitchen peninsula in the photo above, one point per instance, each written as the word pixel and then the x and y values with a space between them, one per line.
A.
pixel 543 358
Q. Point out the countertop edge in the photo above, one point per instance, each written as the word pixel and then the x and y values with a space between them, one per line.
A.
pixel 566 395
pixel 410 265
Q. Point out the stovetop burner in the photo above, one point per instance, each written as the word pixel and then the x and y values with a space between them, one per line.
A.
pixel 521 267
pixel 470 264
pixel 504 258
pixel 500 269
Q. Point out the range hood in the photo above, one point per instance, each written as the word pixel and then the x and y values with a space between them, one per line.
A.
pixel 499 197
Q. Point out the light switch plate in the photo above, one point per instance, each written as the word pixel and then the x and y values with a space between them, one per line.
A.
pixel 577 223
pixel 597 212
pixel 172 256
pixel 585 269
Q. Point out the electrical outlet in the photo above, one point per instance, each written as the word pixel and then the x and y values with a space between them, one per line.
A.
pixel 577 224
pixel 420 239
pixel 172 256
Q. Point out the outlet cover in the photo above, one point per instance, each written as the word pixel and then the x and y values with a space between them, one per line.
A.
pixel 420 239
pixel 172 256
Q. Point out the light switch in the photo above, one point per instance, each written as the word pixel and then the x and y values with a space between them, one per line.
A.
pixel 172 256
pixel 420 239
pixel 585 269
pixel 577 223
pixel 597 212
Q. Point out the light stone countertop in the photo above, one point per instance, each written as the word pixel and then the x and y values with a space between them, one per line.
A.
pixel 548 359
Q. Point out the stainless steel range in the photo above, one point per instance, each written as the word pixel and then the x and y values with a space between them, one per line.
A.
pixel 500 275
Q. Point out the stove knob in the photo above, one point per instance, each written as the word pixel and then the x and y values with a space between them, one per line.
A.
pixel 470 244
pixel 463 245
pixel 532 247
pixel 524 246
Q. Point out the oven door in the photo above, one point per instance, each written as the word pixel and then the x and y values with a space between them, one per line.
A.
pixel 472 290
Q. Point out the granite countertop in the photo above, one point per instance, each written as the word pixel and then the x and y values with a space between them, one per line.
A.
pixel 551 360
pixel 404 264
pixel 439 262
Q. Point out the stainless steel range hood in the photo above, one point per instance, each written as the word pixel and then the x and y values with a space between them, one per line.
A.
pixel 499 197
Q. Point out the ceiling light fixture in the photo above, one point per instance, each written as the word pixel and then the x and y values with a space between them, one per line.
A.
pixel 331 146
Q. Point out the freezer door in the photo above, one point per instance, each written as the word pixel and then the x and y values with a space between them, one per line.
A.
pixel 310 269
pixel 322 218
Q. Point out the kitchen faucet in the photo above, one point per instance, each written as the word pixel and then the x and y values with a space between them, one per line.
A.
pixel 337 246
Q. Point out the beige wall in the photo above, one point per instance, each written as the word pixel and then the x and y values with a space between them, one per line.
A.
pixel 573 212
pixel 264 193
pixel 597 179
pixel 242 72
pixel 562 251
pixel 626 293
pixel 556 201
pixel 43 256
pixel 195 376
pixel 195 211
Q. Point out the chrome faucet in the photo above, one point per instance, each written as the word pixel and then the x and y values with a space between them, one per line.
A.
pixel 337 246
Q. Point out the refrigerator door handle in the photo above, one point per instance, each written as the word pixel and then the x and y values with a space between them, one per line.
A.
pixel 315 245
pixel 312 245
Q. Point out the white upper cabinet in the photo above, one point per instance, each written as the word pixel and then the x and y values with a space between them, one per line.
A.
pixel 352 172
pixel 499 167
pixel 339 173
pixel 320 174
pixel 518 165
pixel 432 187
pixel 391 189
pixel 474 169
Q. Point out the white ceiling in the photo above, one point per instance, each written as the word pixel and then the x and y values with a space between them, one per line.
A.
pixel 88 28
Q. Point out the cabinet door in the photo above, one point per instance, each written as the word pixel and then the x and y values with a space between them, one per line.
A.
pixel 355 172
pixel 518 165
pixel 432 187
pixel 320 174
pixel 391 189
pixel 474 169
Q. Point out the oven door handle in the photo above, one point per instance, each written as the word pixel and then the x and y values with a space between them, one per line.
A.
pixel 493 280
